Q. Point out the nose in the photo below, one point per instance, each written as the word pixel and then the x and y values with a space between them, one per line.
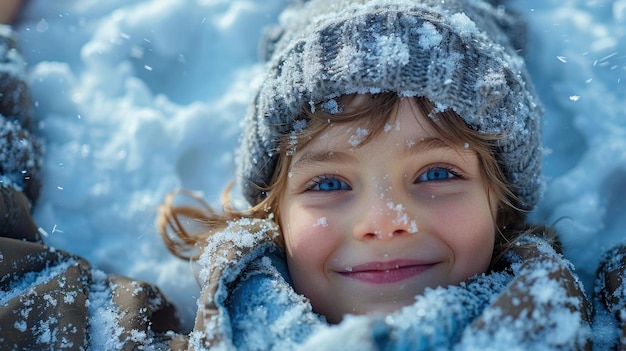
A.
pixel 383 218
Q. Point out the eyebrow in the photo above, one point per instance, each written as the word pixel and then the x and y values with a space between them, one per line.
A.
pixel 425 144
pixel 326 156
pixel 338 157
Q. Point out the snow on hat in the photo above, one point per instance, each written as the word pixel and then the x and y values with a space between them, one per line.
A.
pixel 461 55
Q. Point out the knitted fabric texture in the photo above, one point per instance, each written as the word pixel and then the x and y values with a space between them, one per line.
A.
pixel 461 55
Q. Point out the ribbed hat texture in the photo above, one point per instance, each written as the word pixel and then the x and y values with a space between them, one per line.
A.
pixel 461 55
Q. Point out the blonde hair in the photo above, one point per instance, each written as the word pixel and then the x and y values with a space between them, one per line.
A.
pixel 373 112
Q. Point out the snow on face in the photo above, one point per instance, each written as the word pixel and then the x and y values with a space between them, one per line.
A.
pixel 357 138
pixel 391 210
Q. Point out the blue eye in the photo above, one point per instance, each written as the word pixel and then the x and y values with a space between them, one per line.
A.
pixel 329 184
pixel 436 174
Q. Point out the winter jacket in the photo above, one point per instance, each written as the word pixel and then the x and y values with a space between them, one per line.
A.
pixel 50 299
pixel 20 150
pixel 537 303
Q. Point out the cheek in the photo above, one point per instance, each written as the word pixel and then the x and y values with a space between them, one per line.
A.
pixel 468 229
pixel 309 241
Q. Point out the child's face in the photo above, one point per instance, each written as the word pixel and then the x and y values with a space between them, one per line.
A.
pixel 367 227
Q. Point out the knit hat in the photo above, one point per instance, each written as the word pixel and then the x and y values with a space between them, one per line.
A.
pixel 461 55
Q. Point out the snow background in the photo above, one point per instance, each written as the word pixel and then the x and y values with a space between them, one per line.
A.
pixel 138 97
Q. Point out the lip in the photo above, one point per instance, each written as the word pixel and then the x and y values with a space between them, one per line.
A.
pixel 386 272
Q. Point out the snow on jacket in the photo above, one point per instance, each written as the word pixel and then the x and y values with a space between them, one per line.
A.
pixel 248 304
pixel 52 300
pixel 20 150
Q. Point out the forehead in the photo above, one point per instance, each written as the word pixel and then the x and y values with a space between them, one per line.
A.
pixel 406 122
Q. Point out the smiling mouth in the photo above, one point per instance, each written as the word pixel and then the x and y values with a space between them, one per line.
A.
pixel 386 272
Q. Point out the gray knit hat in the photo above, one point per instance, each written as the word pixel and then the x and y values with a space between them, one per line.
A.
pixel 461 55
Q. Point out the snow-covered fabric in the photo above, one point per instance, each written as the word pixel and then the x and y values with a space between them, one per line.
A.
pixel 536 304
pixel 50 299
pixel 610 297
pixel 20 150
pixel 53 300
pixel 456 53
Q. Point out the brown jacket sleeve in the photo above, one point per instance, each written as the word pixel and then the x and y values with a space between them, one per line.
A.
pixel 20 149
pixel 544 294
pixel 611 288
pixel 44 297
pixel 52 300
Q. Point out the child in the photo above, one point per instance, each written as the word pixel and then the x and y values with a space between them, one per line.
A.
pixel 403 135
pixel 392 148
